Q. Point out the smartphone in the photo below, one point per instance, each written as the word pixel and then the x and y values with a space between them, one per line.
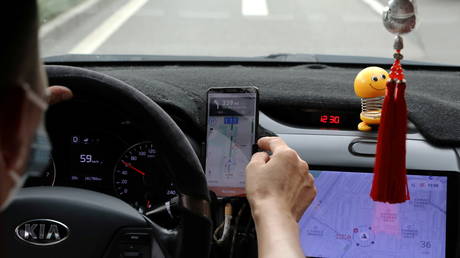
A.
pixel 232 121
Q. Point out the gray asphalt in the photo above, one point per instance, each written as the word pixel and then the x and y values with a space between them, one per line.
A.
pixel 218 28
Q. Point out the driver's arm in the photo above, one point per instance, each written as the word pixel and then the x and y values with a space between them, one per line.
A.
pixel 279 189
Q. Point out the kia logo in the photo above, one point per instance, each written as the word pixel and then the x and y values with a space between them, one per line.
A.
pixel 42 232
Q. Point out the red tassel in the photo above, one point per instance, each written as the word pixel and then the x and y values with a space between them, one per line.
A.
pixel 390 180
pixel 382 167
pixel 400 188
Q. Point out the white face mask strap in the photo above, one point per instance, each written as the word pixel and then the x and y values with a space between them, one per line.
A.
pixel 15 177
pixel 18 182
pixel 37 100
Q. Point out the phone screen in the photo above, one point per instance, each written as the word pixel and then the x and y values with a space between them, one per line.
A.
pixel 231 134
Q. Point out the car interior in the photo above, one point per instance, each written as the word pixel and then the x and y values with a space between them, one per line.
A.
pixel 127 172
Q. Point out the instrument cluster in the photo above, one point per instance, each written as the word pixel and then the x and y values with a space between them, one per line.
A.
pixel 100 148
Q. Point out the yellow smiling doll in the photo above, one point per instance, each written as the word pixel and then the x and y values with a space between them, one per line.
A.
pixel 370 85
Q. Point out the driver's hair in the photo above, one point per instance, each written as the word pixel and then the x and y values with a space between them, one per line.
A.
pixel 19 43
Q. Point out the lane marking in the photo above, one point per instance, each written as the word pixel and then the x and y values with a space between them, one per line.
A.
pixel 46 28
pixel 254 7
pixel 96 38
pixel 375 5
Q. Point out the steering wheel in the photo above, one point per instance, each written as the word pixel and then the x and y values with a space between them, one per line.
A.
pixel 70 222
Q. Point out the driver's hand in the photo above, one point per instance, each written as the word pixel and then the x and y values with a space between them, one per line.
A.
pixel 278 182
pixel 59 94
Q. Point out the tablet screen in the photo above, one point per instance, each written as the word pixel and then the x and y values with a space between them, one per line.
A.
pixel 343 221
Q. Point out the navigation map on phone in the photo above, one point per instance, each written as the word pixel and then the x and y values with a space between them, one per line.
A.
pixel 230 138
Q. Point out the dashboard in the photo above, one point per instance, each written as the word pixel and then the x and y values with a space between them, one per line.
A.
pixel 343 221
pixel 101 147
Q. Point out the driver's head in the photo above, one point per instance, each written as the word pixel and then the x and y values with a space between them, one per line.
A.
pixel 22 92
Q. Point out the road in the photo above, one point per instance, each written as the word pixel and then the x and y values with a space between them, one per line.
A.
pixel 253 28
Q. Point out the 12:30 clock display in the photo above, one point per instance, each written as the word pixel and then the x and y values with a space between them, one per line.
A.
pixel 330 119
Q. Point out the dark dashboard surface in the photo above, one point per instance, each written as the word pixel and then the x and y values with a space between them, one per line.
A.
pixel 292 97
pixel 94 137
pixel 432 92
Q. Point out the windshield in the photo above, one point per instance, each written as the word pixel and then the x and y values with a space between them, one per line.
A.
pixel 244 28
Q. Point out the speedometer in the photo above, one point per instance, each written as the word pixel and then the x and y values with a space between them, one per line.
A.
pixel 139 178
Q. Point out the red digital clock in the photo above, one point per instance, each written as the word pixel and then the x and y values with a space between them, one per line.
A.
pixel 317 118
pixel 330 119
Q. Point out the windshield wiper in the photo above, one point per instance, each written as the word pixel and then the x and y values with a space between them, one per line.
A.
pixel 343 59
pixel 286 59
pixel 72 58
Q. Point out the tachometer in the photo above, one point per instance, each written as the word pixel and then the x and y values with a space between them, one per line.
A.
pixel 138 177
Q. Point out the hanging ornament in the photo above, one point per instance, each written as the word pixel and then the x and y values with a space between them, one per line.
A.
pixel 390 180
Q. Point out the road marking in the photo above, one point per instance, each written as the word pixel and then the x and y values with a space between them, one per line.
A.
pixel 375 5
pixel 254 8
pixel 65 17
pixel 94 40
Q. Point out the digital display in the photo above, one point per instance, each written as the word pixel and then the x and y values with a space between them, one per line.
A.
pixel 329 119
pixel 316 118
pixel 87 159
pixel 230 138
pixel 343 221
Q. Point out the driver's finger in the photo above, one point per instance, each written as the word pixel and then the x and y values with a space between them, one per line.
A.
pixel 273 144
pixel 59 94
pixel 259 158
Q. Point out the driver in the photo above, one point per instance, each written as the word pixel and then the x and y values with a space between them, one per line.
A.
pixel 23 95
pixel 279 187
